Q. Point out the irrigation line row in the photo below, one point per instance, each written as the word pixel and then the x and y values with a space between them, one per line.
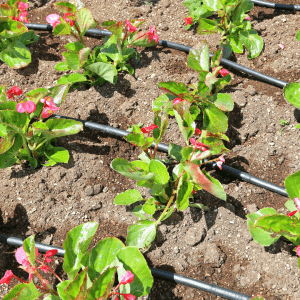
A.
pixel 276 5
pixel 200 285
pixel 165 148
pixel 224 61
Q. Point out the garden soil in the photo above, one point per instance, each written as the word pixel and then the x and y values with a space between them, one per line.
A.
pixel 213 246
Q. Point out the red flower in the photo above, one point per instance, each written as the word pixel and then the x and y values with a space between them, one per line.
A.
pixel 22 6
pixel 292 213
pixel 22 17
pixel 177 100
pixel 50 253
pixel 14 91
pixel 27 106
pixel 8 276
pixel 188 20
pixel 130 27
pixel 149 128
pixel 128 296
pixel 223 72
pixel 127 278
pixel 197 131
pixel 152 35
pixel 198 145
pixel 68 20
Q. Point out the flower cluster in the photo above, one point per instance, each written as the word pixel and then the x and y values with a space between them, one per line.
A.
pixel 188 20
pixel 49 107
pixel 54 19
pixel 22 15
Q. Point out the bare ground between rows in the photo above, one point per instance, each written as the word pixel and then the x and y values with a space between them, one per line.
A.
pixel 215 246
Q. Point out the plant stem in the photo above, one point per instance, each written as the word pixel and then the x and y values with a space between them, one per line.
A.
pixel 166 208
pixel 26 147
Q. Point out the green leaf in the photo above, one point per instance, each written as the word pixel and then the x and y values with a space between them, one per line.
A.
pixel 184 192
pixel 71 79
pixel 29 248
pixel 175 152
pixel 216 146
pixel 62 66
pixel 149 206
pixel 213 4
pixel 253 43
pixel 52 297
pixel 102 286
pixel 174 88
pixel 105 70
pixel 140 39
pixel 214 119
pixel 298 35
pixel 163 101
pixel 62 29
pixel 13 118
pixel 160 170
pixel 292 184
pixel 65 7
pixel 57 155
pixel 37 94
pixel 259 234
pixel 198 58
pixel 235 43
pixel 85 20
pixel 23 291
pixel 258 297
pixel 2 94
pixel 8 158
pixel 207 26
pixel 133 260
pixel 141 234
pixel 292 93
pixel 122 166
pixel 223 101
pixel 199 178
pixel 72 60
pixel 16 55
pixel 75 245
pixel 61 289
pixel 77 287
pixel 101 256
pixel 128 197
pixel 7 138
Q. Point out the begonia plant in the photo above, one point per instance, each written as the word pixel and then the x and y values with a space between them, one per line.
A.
pixel 173 181
pixel 102 63
pixel 267 226
pixel 233 23
pixel 14 35
pixel 25 132
pixel 91 273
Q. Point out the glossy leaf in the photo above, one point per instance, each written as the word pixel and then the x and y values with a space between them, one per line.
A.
pixel 57 155
pixel 160 171
pixel 65 7
pixel 16 55
pixel 260 235
pixel 62 29
pixel 223 101
pixel 174 88
pixel 59 92
pixel 207 26
pixel 133 260
pixel 184 192
pixel 198 58
pixel 8 158
pixel 23 291
pixel 141 234
pixel 104 70
pixel 292 184
pixel 202 181
pixel 77 287
pixel 29 247
pixel 128 197
pixel 71 79
pixel 75 245
pixel 61 288
pixel 292 93
pixel 175 152
pixel 85 20
pixel 253 43
pixel 235 43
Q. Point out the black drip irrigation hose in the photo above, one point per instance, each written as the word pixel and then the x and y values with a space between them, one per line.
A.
pixel 165 148
pixel 224 61
pixel 200 285
pixel 276 5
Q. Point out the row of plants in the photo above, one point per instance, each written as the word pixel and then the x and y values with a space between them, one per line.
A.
pixel 200 110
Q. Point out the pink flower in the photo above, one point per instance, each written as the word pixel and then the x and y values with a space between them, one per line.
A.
pixel 14 91
pixel 298 250
pixel 220 161
pixel 49 110
pixel 27 106
pixel 152 35
pixel 127 278
pixel 297 202
pixel 22 6
pixel 8 276
pixel 68 20
pixel 197 131
pixel 177 100
pixel 281 46
pixel 223 72
pixel 247 18
pixel 292 213
pixel 198 145
pixel 188 20
pixel 22 17
pixel 22 258
pixel 149 128
pixel 53 19
pixel 130 27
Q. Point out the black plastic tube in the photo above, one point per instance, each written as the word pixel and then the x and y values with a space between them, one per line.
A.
pixel 276 5
pixel 200 285
pixel 224 61
pixel 165 148
pixel 250 179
